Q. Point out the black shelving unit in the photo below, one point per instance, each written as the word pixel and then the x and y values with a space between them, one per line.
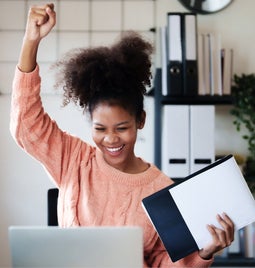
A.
pixel 206 99
pixel 160 100
pixel 234 262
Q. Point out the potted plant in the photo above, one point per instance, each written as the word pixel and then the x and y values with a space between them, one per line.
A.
pixel 243 92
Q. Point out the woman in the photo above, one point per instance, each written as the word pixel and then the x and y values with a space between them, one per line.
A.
pixel 101 185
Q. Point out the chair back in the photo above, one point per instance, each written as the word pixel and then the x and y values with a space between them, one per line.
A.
pixel 52 201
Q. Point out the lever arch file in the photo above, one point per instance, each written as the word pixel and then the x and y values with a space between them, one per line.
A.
pixel 189 146
pixel 207 65
pixel 175 54
pixel 181 211
pixel 181 46
pixel 216 63
pixel 202 129
pixel 164 61
pixel 190 61
pixel 227 70
pixel 175 143
pixel 201 64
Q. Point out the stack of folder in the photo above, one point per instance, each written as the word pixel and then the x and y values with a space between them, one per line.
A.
pixel 215 65
pixel 193 63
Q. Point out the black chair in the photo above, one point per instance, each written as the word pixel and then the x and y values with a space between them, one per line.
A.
pixel 52 200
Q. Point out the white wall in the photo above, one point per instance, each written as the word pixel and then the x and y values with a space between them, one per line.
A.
pixel 23 182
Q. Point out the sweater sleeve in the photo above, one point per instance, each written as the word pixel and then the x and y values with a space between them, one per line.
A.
pixel 160 258
pixel 34 130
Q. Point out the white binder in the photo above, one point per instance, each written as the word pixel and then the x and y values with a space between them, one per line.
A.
pixel 175 140
pixel 201 65
pixel 215 190
pixel 202 142
pixel 227 70
pixel 187 207
pixel 217 65
pixel 207 65
pixel 164 60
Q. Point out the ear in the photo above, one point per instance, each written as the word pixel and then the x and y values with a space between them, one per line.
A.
pixel 142 121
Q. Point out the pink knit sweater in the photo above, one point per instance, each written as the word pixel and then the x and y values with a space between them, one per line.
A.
pixel 91 191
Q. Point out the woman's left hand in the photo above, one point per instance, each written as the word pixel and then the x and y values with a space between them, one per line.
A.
pixel 221 237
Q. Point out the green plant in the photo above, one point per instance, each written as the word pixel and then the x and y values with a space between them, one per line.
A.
pixel 243 91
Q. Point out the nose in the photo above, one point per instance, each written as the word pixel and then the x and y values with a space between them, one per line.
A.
pixel 111 138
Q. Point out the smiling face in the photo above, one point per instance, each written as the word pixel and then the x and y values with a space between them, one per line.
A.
pixel 114 131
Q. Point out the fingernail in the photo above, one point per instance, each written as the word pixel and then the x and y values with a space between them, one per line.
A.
pixel 224 214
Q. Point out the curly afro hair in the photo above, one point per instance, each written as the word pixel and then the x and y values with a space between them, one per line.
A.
pixel 117 74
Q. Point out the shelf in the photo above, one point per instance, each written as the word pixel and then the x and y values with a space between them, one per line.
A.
pixel 233 262
pixel 185 100
pixel 198 100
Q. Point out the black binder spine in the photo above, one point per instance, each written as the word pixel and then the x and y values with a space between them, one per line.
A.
pixel 175 54
pixel 190 65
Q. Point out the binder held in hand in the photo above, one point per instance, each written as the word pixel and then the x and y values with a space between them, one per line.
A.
pixel 181 211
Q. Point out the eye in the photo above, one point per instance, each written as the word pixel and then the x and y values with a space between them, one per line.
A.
pixel 121 129
pixel 101 129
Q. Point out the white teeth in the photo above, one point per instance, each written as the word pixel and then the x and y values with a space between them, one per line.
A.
pixel 114 149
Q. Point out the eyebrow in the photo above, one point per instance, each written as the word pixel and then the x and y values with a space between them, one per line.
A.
pixel 119 124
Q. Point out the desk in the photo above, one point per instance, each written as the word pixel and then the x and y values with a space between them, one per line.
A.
pixel 234 262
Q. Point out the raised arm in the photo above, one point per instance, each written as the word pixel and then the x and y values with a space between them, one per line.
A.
pixel 41 19
pixel 31 127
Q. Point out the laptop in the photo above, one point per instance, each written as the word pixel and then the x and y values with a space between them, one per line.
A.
pixel 93 247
